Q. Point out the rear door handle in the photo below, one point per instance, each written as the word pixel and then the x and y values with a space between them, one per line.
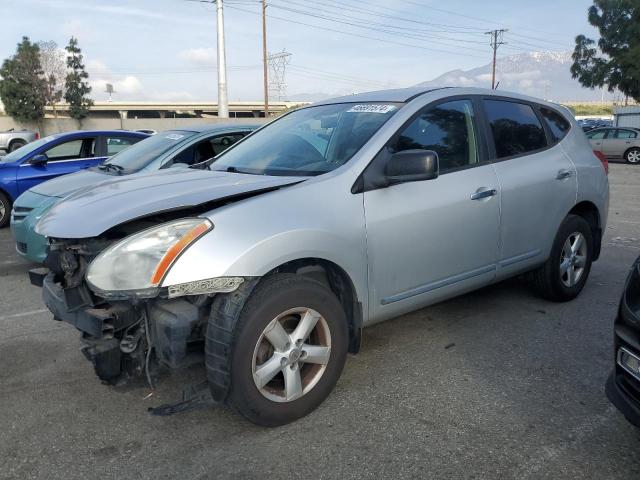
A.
pixel 562 174
pixel 484 194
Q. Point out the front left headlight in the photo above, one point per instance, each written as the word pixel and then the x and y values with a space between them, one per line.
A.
pixel 138 263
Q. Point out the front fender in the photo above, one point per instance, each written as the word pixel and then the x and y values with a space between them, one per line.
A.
pixel 254 236
pixel 211 257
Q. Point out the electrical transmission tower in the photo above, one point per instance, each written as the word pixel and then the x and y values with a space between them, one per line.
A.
pixel 496 41
pixel 277 68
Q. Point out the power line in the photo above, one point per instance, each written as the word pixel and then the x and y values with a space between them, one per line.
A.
pixel 388 29
pixel 325 28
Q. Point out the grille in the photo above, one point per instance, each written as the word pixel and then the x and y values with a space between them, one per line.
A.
pixel 20 213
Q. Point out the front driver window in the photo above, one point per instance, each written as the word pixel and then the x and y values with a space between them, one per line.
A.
pixel 72 150
pixel 448 130
pixel 599 135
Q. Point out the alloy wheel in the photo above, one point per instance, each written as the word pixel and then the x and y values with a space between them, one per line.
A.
pixel 573 259
pixel 633 156
pixel 3 210
pixel 291 354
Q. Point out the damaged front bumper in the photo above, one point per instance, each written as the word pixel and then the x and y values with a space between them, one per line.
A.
pixel 123 339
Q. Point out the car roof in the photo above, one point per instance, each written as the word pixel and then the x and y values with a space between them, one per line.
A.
pixel 98 132
pixel 392 95
pixel 218 127
pixel 403 95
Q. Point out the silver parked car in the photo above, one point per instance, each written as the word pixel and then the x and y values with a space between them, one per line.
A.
pixel 617 143
pixel 331 218
pixel 13 139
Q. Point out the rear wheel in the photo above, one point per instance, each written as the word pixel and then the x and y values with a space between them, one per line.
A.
pixel 289 349
pixel 5 210
pixel 16 144
pixel 565 273
pixel 633 156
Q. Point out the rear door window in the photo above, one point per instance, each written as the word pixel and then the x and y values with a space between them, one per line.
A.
pixel 516 128
pixel 625 134
pixel 117 144
pixel 558 125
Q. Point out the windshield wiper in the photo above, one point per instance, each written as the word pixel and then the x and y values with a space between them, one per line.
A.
pixel 111 166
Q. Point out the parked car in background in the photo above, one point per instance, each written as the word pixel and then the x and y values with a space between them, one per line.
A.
pixel 623 385
pixel 14 139
pixel 617 143
pixel 56 155
pixel 148 131
pixel 171 148
pixel 330 218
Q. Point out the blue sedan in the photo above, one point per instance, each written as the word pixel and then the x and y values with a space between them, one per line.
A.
pixel 56 155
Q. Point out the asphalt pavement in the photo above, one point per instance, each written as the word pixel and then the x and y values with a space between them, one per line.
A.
pixel 494 384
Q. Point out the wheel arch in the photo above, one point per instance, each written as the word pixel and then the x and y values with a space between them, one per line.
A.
pixel 14 140
pixel 340 283
pixel 624 155
pixel 591 214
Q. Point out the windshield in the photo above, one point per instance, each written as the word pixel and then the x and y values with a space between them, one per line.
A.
pixel 142 153
pixel 26 150
pixel 307 142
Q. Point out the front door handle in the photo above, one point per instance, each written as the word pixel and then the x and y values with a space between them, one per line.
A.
pixel 484 194
pixel 562 174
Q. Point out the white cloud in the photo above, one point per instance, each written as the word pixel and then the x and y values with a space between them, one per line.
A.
pixel 100 75
pixel 199 56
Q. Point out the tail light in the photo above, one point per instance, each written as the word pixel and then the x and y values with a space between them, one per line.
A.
pixel 603 159
pixel 37 135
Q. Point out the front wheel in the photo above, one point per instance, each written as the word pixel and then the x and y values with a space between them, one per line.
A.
pixel 633 156
pixel 565 273
pixel 289 349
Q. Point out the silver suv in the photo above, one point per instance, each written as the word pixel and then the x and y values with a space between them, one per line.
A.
pixel 267 263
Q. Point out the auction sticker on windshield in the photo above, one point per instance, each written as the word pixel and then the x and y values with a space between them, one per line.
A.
pixel 372 108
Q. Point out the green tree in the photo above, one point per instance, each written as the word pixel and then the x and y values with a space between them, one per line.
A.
pixel 22 87
pixel 76 86
pixel 614 60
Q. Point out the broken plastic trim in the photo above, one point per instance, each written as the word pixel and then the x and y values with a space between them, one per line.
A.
pixel 207 286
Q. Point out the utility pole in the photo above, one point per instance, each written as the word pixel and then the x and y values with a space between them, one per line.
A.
pixel 265 65
pixel 496 41
pixel 223 100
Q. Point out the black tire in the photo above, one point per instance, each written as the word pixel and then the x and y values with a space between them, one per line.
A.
pixel 5 210
pixel 271 297
pixel 548 280
pixel 16 144
pixel 630 156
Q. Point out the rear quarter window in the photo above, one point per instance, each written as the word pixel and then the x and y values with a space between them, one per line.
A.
pixel 515 127
pixel 558 125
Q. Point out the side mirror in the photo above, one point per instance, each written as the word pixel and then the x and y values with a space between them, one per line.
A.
pixel 412 166
pixel 40 159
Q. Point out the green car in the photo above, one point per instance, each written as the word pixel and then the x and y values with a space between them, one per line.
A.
pixel 163 150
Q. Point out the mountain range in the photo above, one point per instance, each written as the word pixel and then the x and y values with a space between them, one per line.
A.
pixel 539 74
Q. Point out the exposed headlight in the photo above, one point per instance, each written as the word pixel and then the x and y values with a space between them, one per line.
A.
pixel 138 263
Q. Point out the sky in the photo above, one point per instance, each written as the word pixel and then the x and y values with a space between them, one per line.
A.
pixel 164 50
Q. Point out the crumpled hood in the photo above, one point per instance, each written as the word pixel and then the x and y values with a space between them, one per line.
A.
pixel 93 210
pixel 67 184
